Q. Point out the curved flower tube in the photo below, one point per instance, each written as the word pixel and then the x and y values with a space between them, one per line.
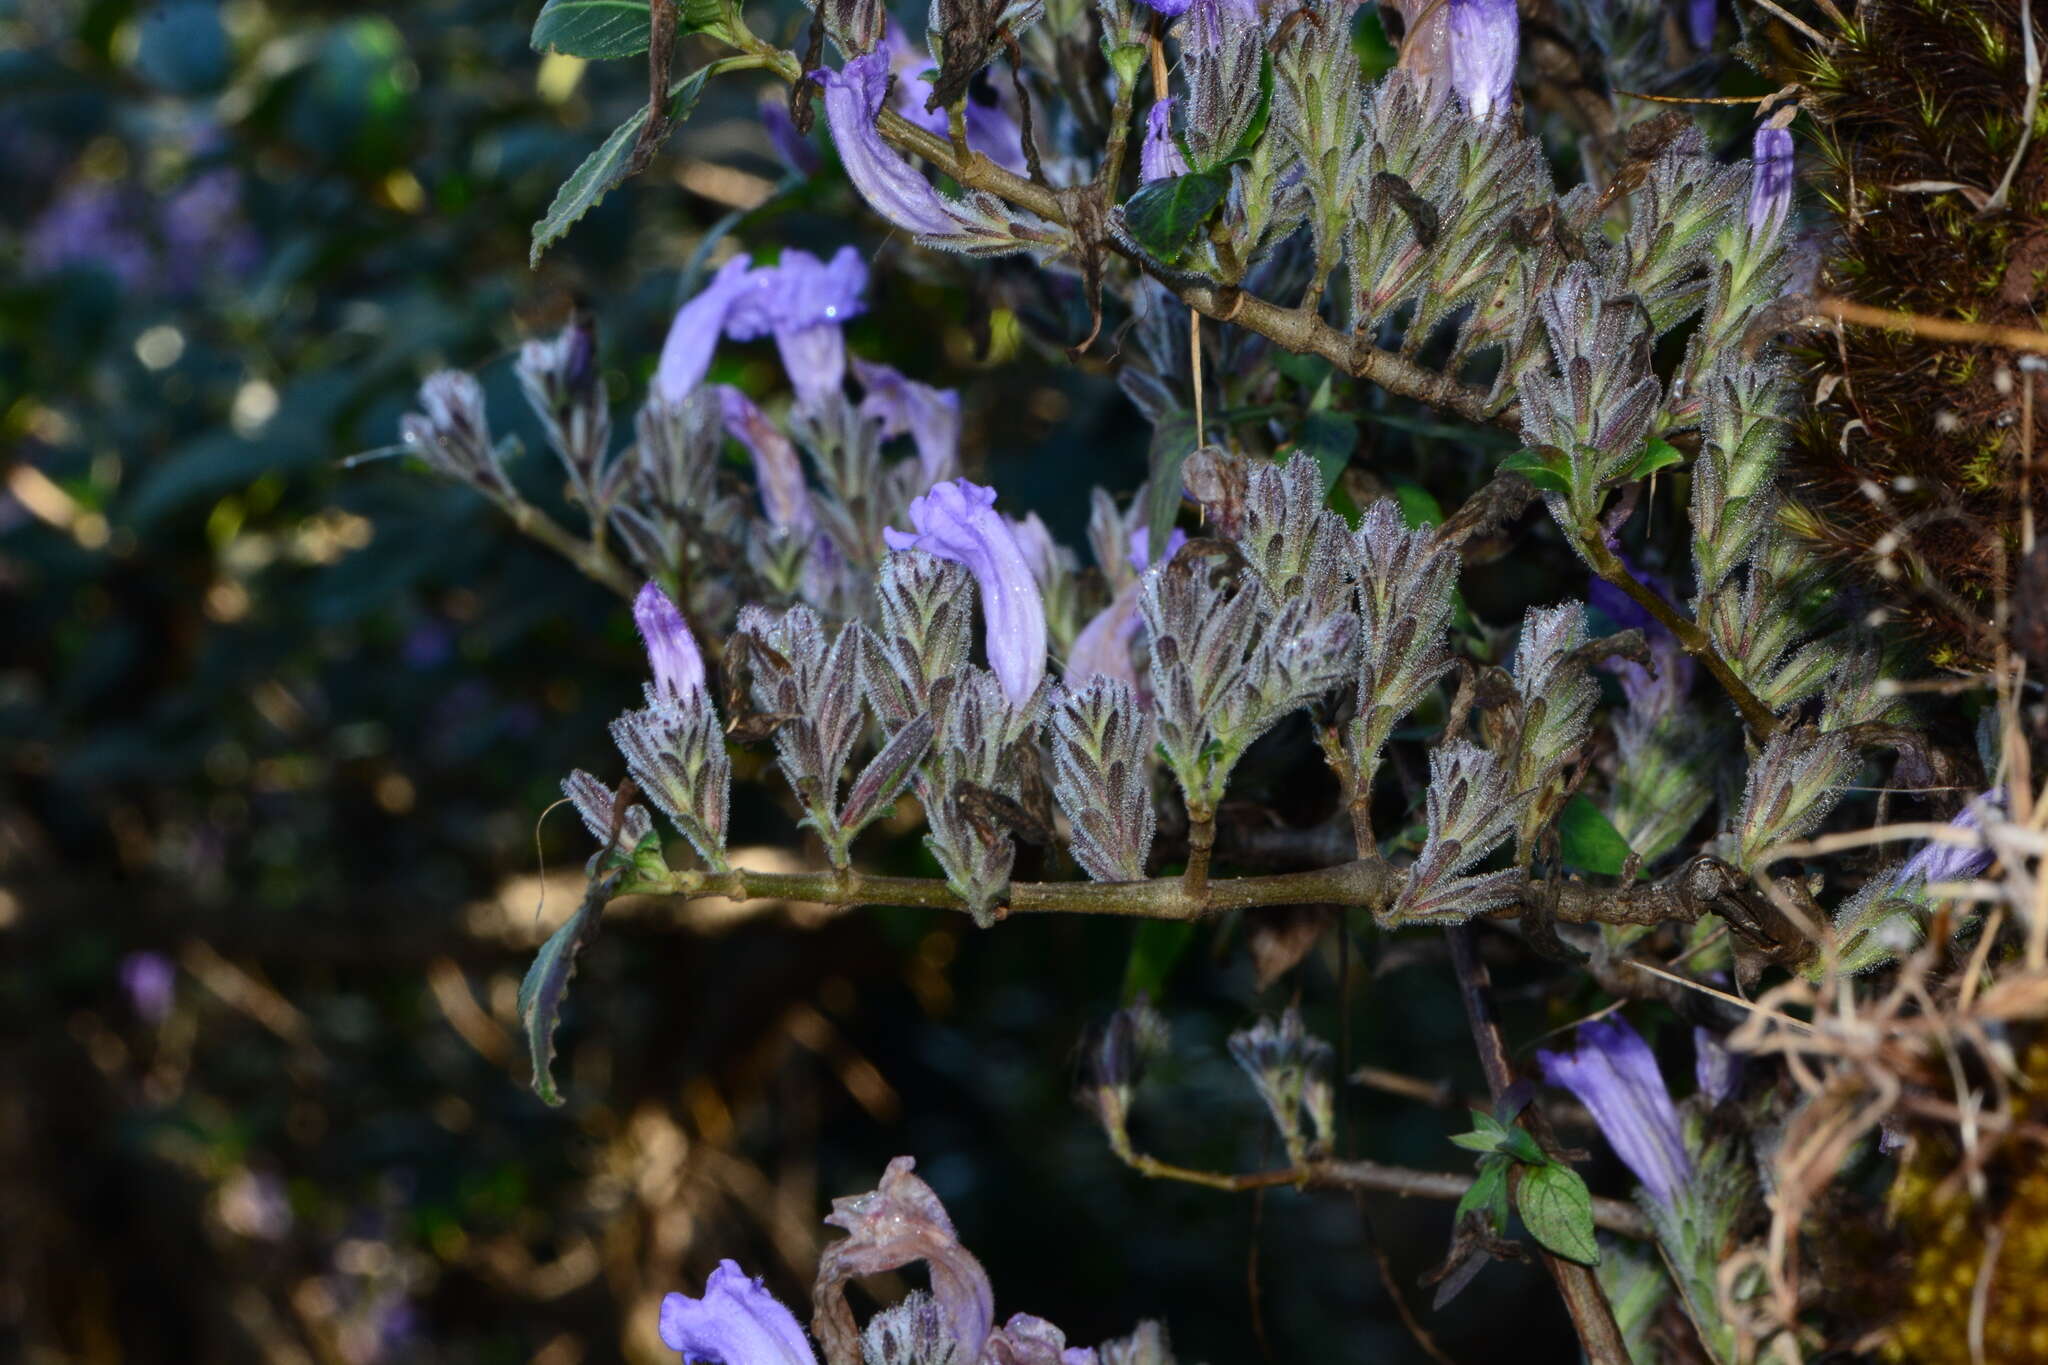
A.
pixel 1614 1074
pixel 957 520
pixel 671 649
pixel 785 498
pixel 693 336
pixel 737 1322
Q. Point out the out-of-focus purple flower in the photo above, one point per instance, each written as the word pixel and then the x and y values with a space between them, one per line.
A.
pixel 1702 18
pixel 1141 544
pixel 802 302
pixel 205 235
pixel 899 1221
pixel 426 646
pixel 1172 9
pixel 785 499
pixel 1770 185
pixel 90 225
pixel 151 983
pixel 671 649
pixel 693 336
pixel 794 149
pixel 957 520
pixel 1485 41
pixel 891 186
pixel 901 404
pixel 1041 551
pixel 1718 1071
pixel 737 1322
pixel 1159 156
pixel 1656 690
pixel 1614 1074
pixel 1940 861
pixel 1103 648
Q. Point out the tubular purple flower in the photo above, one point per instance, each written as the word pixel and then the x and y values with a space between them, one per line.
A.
pixel 1141 542
pixel 901 404
pixel 1159 156
pixel 693 336
pixel 991 128
pixel 785 499
pixel 1939 861
pixel 794 149
pixel 1172 9
pixel 671 649
pixel 957 520
pixel 1718 1071
pixel 802 301
pixel 1614 1074
pixel 1770 185
pixel 737 1322
pixel 892 187
pixel 1103 648
pixel 1485 41
pixel 1702 18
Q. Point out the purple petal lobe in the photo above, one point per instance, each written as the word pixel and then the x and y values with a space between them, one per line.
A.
pixel 737 1322
pixel 1614 1074
pixel 1485 40
pixel 693 336
pixel 957 520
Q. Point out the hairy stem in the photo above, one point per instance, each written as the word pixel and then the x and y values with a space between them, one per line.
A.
pixel 1762 724
pixel 590 557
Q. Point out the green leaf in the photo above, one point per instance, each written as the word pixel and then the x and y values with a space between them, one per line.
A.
pixel 1488 1195
pixel 1164 216
pixel 606 166
pixel 1329 438
pixel 1173 440
pixel 1543 472
pixel 547 981
pixel 1487 1132
pixel 1419 506
pixel 1156 947
pixel 1655 456
pixel 1558 1210
pixel 1521 1145
pixel 597 29
pixel 1587 840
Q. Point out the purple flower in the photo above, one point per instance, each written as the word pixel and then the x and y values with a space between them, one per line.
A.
pixel 671 649
pixel 785 499
pixel 693 336
pixel 1718 1071
pixel 1485 40
pixel 90 225
pixel 1614 1074
pixel 957 520
pixel 931 416
pixel 1141 544
pixel 152 984
pixel 737 1322
pixel 892 187
pixel 897 1222
pixel 1770 184
pixel 1702 18
pixel 204 233
pixel 802 301
pixel 1159 157
pixel 1172 9
pixel 1103 648
pixel 794 149
pixel 991 129
pixel 1940 861
pixel 1656 690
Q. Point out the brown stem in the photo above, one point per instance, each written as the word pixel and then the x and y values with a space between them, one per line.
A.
pixel 1580 1288
pixel 1762 724
pixel 593 559
pixel 1616 1215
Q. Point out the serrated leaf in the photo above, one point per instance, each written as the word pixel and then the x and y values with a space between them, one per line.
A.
pixel 1173 440
pixel 1155 947
pixel 1587 840
pixel 1558 1210
pixel 1538 470
pixel 1655 456
pixel 588 184
pixel 598 29
pixel 1164 216
pixel 886 773
pixel 547 981
pixel 1488 1195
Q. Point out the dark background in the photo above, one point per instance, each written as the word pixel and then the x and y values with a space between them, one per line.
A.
pixel 292 726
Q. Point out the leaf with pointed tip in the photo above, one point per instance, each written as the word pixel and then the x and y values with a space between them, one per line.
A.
pixel 886 773
pixel 1656 455
pixel 547 981
pixel 1542 472
pixel 602 169
pixel 1488 1194
pixel 1164 216
pixel 1587 840
pixel 1558 1210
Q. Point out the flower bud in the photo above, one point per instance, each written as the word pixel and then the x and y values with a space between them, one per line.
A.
pixel 1485 39
pixel 453 435
pixel 1770 185
pixel 671 649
